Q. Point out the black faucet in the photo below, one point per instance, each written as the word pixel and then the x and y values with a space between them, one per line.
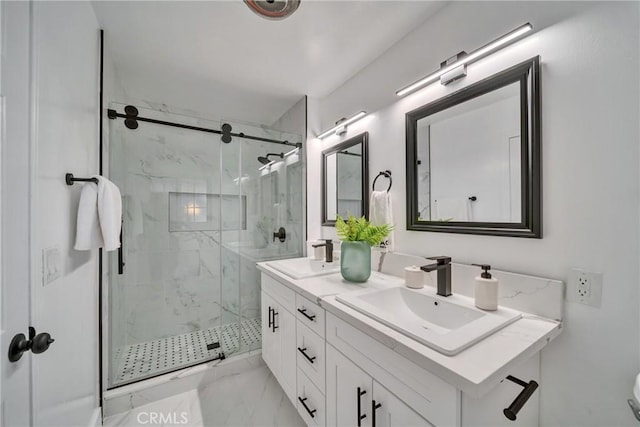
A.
pixel 444 273
pixel 328 249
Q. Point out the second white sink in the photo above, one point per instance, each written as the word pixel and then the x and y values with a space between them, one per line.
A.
pixel 301 268
pixel 447 327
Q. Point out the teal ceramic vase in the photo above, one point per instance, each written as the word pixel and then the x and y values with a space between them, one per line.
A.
pixel 355 261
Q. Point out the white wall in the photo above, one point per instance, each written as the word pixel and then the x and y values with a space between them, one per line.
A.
pixel 590 176
pixel 65 133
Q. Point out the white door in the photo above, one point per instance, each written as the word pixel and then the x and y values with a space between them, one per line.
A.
pixel 15 178
pixel 392 412
pixel 349 392
pixel 50 84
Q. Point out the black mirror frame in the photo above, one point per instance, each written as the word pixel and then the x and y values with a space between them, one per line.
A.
pixel 528 74
pixel 363 139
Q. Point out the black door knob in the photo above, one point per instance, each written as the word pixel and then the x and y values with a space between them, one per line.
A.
pixel 41 343
pixel 37 344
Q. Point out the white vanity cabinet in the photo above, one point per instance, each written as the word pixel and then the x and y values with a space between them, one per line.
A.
pixel 354 398
pixel 337 375
pixel 279 333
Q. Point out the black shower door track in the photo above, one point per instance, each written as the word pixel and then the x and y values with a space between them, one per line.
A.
pixel 113 114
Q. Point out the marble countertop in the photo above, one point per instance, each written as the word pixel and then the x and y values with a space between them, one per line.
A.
pixel 475 370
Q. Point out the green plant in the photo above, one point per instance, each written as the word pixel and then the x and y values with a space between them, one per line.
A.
pixel 360 229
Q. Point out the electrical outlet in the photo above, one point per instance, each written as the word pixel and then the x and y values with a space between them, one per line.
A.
pixel 585 287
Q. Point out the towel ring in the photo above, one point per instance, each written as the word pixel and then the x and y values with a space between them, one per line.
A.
pixel 386 174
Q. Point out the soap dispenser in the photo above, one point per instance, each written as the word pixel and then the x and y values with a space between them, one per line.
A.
pixel 486 291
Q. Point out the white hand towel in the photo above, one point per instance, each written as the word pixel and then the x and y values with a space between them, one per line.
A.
pixel 380 213
pixel 88 233
pixel 109 213
pixel 99 216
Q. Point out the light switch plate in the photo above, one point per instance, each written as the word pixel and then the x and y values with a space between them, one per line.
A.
pixel 51 264
pixel 584 287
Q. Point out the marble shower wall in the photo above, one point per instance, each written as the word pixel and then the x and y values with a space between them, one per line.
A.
pixel 182 281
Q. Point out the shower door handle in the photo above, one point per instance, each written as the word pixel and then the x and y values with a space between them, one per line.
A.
pixel 121 252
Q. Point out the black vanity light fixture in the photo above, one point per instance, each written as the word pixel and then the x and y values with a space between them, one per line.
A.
pixel 341 125
pixel 454 68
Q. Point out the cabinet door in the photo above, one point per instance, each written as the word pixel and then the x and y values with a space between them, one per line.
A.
pixel 391 411
pixel 270 340
pixel 285 324
pixel 349 392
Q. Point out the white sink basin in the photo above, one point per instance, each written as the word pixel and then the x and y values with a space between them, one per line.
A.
pixel 437 322
pixel 301 268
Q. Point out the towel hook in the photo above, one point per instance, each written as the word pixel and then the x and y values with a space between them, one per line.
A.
pixel 386 174
pixel 70 179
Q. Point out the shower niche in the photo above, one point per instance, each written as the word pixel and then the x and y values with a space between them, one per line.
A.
pixel 198 213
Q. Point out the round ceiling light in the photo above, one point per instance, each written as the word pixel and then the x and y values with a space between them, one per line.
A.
pixel 273 9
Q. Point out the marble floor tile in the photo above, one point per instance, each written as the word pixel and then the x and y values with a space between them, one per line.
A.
pixel 251 398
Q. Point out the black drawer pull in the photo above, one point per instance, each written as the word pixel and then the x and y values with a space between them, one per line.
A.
pixel 303 311
pixel 374 406
pixel 304 353
pixel 361 416
pixel 270 312
pixel 273 326
pixel 311 412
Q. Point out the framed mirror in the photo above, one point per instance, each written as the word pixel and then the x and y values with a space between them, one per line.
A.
pixel 473 158
pixel 345 179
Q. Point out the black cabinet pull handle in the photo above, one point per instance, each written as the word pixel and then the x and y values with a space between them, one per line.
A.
pixel 303 311
pixel 270 312
pixel 374 406
pixel 273 325
pixel 304 353
pixel 361 416
pixel 311 412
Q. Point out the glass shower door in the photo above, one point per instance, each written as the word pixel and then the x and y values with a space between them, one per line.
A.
pixel 165 310
pixel 268 197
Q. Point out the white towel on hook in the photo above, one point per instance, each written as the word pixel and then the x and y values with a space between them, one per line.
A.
pixel 99 216
pixel 109 213
pixel 88 233
pixel 380 213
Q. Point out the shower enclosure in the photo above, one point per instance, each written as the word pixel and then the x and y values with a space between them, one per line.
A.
pixel 199 210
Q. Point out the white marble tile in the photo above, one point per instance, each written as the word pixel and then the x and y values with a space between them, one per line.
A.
pixel 182 409
pixel 244 395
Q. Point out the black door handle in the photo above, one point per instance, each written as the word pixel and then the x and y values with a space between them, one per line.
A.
pixel 310 411
pixel 270 312
pixel 303 311
pixel 374 406
pixel 304 353
pixel 36 343
pixel 361 416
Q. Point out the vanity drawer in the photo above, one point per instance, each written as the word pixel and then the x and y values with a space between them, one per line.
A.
pixel 310 402
pixel 310 354
pixel 279 292
pixel 310 314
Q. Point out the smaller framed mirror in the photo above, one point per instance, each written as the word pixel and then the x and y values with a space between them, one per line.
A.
pixel 345 179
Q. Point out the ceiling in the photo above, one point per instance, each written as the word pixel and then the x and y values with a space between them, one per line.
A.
pixel 180 52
